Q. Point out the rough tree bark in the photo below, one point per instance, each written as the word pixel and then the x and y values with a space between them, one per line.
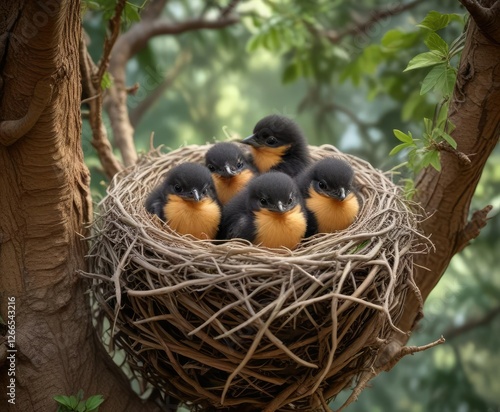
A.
pixel 44 207
pixel 446 196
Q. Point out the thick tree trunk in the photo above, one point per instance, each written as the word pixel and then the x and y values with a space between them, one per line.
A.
pixel 446 196
pixel 44 207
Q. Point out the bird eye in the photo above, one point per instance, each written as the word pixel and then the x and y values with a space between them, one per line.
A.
pixel 178 188
pixel 271 141
pixel 262 201
pixel 211 168
pixel 322 185
pixel 239 165
pixel 204 191
pixel 290 199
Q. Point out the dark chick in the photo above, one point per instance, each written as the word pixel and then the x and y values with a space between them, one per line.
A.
pixel 330 197
pixel 268 212
pixel 187 201
pixel 231 169
pixel 277 143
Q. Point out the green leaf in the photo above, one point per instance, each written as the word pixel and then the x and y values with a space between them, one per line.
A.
pixel 448 83
pixel 400 147
pixel 359 247
pixel 431 158
pixel 428 139
pixel 396 39
pixel 341 53
pixel 433 78
pixel 94 402
pixel 131 13
pixel 435 42
pixel 254 43
pixel 107 81
pixel 69 402
pixel 435 160
pixel 412 106
pixel 92 5
pixel 291 73
pixel 405 138
pixel 256 20
pixel 428 125
pixel 305 68
pixel 271 39
pixel 370 58
pixel 451 141
pixel 442 77
pixel 63 400
pixel 424 60
pixel 434 21
pixel 351 71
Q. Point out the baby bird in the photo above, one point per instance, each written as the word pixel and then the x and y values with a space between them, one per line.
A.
pixel 331 200
pixel 268 212
pixel 231 169
pixel 187 201
pixel 277 143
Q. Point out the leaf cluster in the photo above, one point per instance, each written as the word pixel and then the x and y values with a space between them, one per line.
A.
pixel 77 403
pixel 131 11
pixel 425 151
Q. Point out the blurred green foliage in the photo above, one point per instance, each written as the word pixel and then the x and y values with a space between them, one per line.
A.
pixel 349 77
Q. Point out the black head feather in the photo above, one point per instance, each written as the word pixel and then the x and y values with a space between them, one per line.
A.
pixel 191 181
pixel 227 159
pixel 275 131
pixel 274 191
pixel 330 176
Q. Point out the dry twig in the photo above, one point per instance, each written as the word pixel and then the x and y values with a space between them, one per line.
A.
pixel 235 324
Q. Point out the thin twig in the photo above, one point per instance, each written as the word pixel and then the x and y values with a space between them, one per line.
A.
pixel 109 42
pixel 238 324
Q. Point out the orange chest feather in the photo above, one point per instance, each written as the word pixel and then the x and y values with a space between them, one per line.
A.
pixel 280 229
pixel 332 214
pixel 200 219
pixel 267 157
pixel 227 187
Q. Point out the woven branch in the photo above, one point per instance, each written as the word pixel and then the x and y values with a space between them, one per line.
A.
pixel 233 324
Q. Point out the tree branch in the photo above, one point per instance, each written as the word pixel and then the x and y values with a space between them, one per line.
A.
pixel 473 324
pixel 114 28
pixel 473 227
pixel 486 18
pixel 126 46
pixel 398 352
pixel 91 83
pixel 446 196
pixel 362 27
pixel 100 141
pixel 137 113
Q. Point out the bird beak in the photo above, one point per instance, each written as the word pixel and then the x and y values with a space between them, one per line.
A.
pixel 196 195
pixel 341 194
pixel 282 208
pixel 230 172
pixel 250 140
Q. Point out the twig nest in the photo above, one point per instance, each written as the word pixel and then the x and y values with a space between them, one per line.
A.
pixel 233 324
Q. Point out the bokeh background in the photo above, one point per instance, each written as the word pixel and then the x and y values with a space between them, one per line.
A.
pixel 337 68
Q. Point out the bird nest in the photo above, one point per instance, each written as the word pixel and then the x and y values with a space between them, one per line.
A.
pixel 221 325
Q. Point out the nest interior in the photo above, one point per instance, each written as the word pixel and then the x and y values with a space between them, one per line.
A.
pixel 237 325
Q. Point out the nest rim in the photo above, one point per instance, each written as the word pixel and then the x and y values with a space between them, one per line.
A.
pixel 321 250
